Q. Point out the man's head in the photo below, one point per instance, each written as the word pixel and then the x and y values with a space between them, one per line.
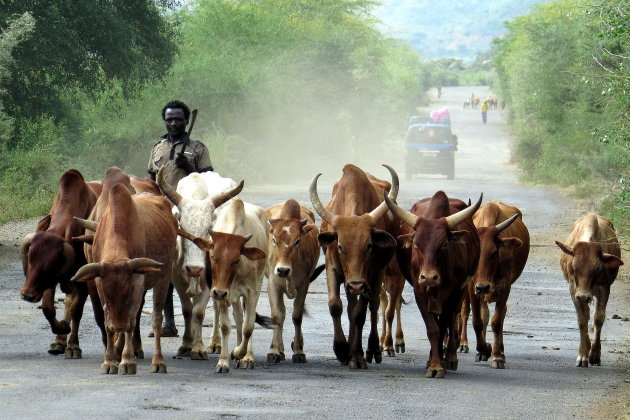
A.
pixel 175 114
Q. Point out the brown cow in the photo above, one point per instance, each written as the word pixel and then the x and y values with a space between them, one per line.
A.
pixel 291 267
pixel 357 237
pixel 49 258
pixel 590 261
pixel 438 258
pixel 504 250
pixel 134 251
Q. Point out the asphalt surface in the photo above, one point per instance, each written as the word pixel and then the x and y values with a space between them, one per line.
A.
pixel 541 338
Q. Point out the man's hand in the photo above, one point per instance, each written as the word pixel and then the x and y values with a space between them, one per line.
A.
pixel 183 163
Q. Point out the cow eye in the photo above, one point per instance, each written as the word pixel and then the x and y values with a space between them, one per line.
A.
pixel 273 240
pixel 368 246
pixel 237 261
pixel 340 248
pixel 297 242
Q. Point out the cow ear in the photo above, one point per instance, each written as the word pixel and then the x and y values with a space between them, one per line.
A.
pixel 88 239
pixel 611 261
pixel 565 248
pixel 326 238
pixel 43 224
pixel 382 239
pixel 405 241
pixel 510 243
pixel 307 228
pixel 458 236
pixel 253 254
pixel 143 270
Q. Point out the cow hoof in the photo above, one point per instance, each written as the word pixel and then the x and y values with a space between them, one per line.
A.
pixel 222 369
pixel 581 363
pixel 497 364
pixel 299 358
pixel 378 357
pixel 244 364
pixel 342 351
pixel 435 373
pixel 182 352
pixel 480 357
pixel 451 364
pixel 158 368
pixel 62 329
pixel 72 353
pixel 400 348
pixel 463 349
pixel 275 357
pixel 198 355
pixel 595 360
pixel 358 364
pixel 369 356
pixel 390 352
pixel 214 348
pixel 127 369
pixel 139 354
pixel 57 348
pixel 109 369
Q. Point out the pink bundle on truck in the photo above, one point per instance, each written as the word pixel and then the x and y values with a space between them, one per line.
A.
pixel 440 116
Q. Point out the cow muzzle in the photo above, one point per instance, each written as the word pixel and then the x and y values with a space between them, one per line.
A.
pixel 429 278
pixel 30 297
pixel 283 271
pixel 219 294
pixel 583 296
pixel 358 288
pixel 193 271
pixel 482 289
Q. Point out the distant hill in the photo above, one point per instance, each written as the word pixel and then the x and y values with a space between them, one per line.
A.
pixel 453 28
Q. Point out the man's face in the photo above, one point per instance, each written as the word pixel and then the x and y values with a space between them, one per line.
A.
pixel 175 122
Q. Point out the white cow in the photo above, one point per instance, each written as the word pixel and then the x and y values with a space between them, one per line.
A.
pixel 196 199
pixel 237 274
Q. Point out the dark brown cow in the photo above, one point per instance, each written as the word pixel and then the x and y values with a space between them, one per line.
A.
pixel 590 262
pixel 134 251
pixel 438 258
pixel 49 258
pixel 291 267
pixel 504 250
pixel 356 235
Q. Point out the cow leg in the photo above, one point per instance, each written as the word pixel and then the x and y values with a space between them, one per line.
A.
pixel 498 356
pixel 383 307
pixel 335 307
pixel 215 340
pixel 297 345
pixel 357 312
pixel 200 303
pixel 583 315
pixel 464 313
pixel 278 313
pixel 137 339
pixel 400 336
pixel 99 315
pixel 237 311
pixel 160 294
pixel 389 310
pixel 374 349
pixel 179 281
pixel 244 352
pixel 221 307
pixel 128 365
pixel 434 365
pixel 110 362
pixel 73 351
pixel 451 323
pixel 484 350
pixel 594 356
pixel 61 328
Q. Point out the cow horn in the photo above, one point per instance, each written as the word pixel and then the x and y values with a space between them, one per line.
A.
pixel 303 222
pixel 505 224
pixel 167 190
pixel 92 268
pixel 137 263
pixel 247 237
pixel 26 244
pixel 406 216
pixel 68 255
pixel 86 224
pixel 455 219
pixel 219 199
pixel 380 211
pixel 317 204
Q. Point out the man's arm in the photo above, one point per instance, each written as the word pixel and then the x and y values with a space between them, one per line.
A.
pixel 203 163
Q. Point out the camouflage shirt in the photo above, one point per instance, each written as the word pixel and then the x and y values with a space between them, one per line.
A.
pixel 165 150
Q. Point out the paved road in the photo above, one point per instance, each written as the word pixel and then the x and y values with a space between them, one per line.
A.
pixel 540 343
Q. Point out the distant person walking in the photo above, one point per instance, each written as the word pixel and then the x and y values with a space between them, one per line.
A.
pixel 484 111
pixel 439 90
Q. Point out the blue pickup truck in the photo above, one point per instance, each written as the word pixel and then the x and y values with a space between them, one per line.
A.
pixel 430 149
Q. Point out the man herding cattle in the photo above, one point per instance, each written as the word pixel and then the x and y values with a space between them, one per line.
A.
pixel 189 156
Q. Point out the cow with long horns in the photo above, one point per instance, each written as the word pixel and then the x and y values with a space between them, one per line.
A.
pixel 49 257
pixel 357 234
pixel 504 249
pixel 133 250
pixel 196 199
pixel 439 257
pixel 590 261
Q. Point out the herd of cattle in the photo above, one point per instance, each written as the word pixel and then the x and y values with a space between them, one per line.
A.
pixel 117 238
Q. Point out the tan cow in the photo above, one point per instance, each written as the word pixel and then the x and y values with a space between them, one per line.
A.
pixel 133 251
pixel 358 237
pixel 291 267
pixel 504 241
pixel 590 261
pixel 237 275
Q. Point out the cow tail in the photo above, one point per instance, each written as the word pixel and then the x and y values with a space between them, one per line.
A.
pixel 317 272
pixel 264 321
